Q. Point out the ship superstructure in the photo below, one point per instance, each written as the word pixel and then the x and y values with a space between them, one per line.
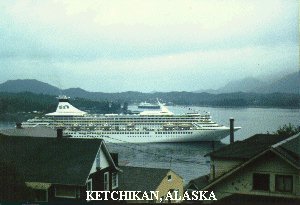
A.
pixel 148 126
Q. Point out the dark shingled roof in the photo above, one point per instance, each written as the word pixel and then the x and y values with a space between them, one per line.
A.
pixel 50 160
pixel 247 148
pixel 199 182
pixel 141 178
pixel 290 148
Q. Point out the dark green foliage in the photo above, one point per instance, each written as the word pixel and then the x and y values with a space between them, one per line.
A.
pixel 271 96
pixel 202 99
pixel 96 106
pixel 20 106
pixel 287 130
pixel 26 102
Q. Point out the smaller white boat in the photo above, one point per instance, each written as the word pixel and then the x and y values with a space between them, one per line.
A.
pixel 145 105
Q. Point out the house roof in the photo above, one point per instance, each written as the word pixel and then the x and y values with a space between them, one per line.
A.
pixel 288 149
pixel 141 178
pixel 50 160
pixel 247 148
pixel 199 182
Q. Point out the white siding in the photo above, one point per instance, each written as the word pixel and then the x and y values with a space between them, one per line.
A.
pixel 103 160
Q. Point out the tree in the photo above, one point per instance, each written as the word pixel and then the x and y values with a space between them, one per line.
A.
pixel 288 130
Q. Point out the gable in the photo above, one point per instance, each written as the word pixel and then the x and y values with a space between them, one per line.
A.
pixel 166 184
pixel 101 160
pixel 266 162
pixel 241 181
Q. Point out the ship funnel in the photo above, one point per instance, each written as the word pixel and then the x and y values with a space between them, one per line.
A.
pixel 64 108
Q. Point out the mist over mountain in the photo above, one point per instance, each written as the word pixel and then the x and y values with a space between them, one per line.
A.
pixel 249 84
pixel 285 84
pixel 246 92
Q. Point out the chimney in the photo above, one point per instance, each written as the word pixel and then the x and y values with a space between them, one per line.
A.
pixel 231 130
pixel 59 132
pixel 19 125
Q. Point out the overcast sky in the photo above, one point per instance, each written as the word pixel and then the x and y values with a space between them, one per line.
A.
pixel 114 46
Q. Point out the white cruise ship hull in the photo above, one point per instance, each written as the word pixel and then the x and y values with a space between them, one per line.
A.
pixel 155 137
pixel 146 127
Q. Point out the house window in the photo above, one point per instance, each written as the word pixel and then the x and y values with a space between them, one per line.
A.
pixel 114 180
pixel 89 185
pixel 65 191
pixel 106 181
pixel 284 183
pixel 261 182
pixel 170 177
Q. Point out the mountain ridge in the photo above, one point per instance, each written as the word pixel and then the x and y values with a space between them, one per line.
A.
pixel 288 83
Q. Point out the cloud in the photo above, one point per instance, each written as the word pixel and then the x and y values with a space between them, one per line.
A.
pixel 117 29
pixel 146 45
pixel 184 71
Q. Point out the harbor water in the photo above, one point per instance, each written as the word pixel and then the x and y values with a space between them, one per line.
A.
pixel 187 159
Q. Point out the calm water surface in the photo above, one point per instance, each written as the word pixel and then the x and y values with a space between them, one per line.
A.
pixel 187 159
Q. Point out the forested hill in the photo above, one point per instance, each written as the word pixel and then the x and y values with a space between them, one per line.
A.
pixel 42 99
pixel 21 106
pixel 111 102
pixel 28 104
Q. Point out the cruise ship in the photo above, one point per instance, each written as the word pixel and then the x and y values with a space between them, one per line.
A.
pixel 152 126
